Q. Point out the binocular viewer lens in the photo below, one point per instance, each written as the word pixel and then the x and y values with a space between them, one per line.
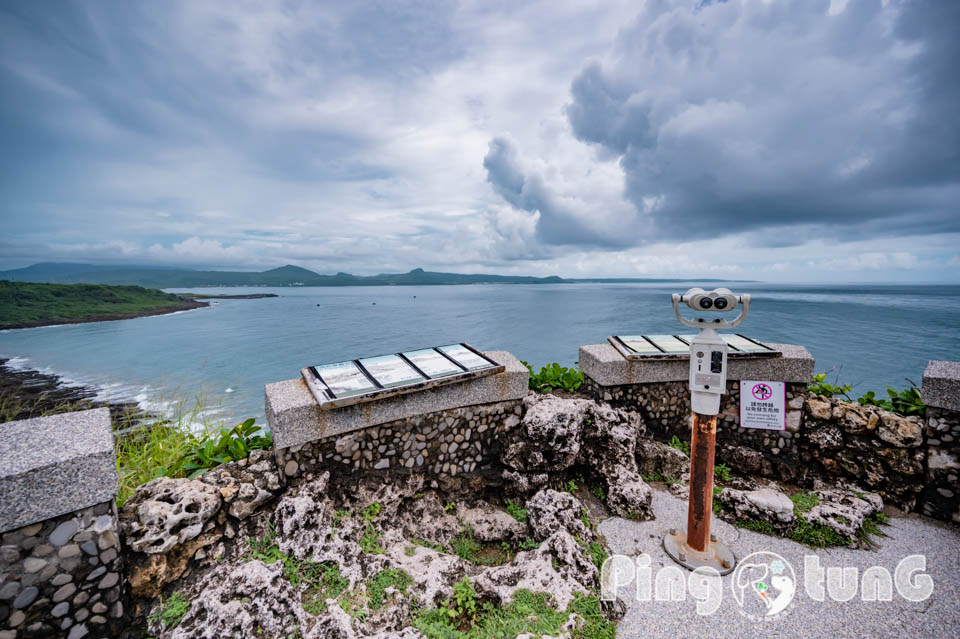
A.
pixel 706 302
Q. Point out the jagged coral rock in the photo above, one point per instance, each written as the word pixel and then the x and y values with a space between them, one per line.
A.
pixel 549 511
pixel 433 573
pixel 548 437
pixel 247 484
pixel 491 524
pixel 843 509
pixel 556 434
pixel 246 600
pixel 657 458
pixel 531 572
pixel 764 504
pixel 166 512
pixel 305 529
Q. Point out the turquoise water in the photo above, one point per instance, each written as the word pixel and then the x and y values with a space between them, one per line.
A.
pixel 878 334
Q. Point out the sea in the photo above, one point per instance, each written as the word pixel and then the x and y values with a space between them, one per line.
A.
pixel 868 336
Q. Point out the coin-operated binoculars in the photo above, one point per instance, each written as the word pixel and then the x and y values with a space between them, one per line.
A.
pixel 696 547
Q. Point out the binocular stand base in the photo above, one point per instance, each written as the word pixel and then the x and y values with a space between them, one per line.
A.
pixel 716 556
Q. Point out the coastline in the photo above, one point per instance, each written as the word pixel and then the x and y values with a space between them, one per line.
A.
pixel 28 393
pixel 186 305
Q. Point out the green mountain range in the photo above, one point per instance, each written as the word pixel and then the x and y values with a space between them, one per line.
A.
pixel 166 277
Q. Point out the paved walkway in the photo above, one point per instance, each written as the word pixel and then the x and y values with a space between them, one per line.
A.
pixel 938 616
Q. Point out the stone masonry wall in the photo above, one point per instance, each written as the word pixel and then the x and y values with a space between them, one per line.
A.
pixel 941 495
pixel 448 443
pixel 62 577
pixel 874 448
pixel 665 408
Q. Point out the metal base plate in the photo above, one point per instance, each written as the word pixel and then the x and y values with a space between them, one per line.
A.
pixel 717 555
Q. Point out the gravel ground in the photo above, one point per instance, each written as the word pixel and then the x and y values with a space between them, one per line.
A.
pixel 938 616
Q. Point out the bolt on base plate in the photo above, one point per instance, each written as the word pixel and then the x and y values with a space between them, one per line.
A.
pixel 717 555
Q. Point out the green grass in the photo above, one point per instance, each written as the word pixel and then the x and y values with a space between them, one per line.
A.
pixel 598 554
pixel 27 302
pixel 804 501
pixel 516 511
pixel 757 525
pixel 681 445
pixel 181 447
pixel 370 541
pixel 170 612
pixel 322 580
pixel 384 579
pixel 815 535
pixel 527 613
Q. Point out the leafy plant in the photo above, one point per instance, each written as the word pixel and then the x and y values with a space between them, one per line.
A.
pixel 225 446
pixel 721 472
pixel 599 493
pixel 820 386
pixel 553 376
pixel 325 583
pixel 528 544
pixel 465 546
pixel 177 448
pixel 681 445
pixel 804 501
pixel 465 599
pixel 516 511
pixel 906 402
pixel 571 486
pixel 170 612
pixel 391 577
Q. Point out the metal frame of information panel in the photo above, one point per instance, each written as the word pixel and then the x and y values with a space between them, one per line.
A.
pixel 658 353
pixel 324 390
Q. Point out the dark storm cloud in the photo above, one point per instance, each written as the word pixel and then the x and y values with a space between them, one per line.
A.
pixel 740 117
pixel 560 222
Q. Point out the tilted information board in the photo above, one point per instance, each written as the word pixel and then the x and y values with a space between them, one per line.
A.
pixel 369 378
pixel 678 346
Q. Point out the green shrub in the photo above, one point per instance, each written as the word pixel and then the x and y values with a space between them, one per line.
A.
pixel 819 386
pixel 906 402
pixel 178 448
pixel 553 376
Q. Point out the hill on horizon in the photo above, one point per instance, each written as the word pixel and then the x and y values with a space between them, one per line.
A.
pixel 289 275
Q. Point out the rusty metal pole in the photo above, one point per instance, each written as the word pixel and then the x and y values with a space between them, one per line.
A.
pixel 702 448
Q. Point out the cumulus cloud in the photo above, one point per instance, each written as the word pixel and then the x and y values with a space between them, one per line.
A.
pixel 543 137
pixel 746 116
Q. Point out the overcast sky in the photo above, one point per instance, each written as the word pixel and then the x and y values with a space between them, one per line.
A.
pixel 775 140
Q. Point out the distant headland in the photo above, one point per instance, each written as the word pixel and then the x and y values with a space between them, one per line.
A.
pixel 165 277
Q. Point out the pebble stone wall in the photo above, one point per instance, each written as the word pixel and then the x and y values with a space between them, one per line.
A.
pixel 941 496
pixel 450 442
pixel 665 408
pixel 62 577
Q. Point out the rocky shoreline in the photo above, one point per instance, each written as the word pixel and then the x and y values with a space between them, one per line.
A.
pixel 186 305
pixel 25 394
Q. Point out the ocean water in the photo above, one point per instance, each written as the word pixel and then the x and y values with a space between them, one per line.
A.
pixel 869 336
